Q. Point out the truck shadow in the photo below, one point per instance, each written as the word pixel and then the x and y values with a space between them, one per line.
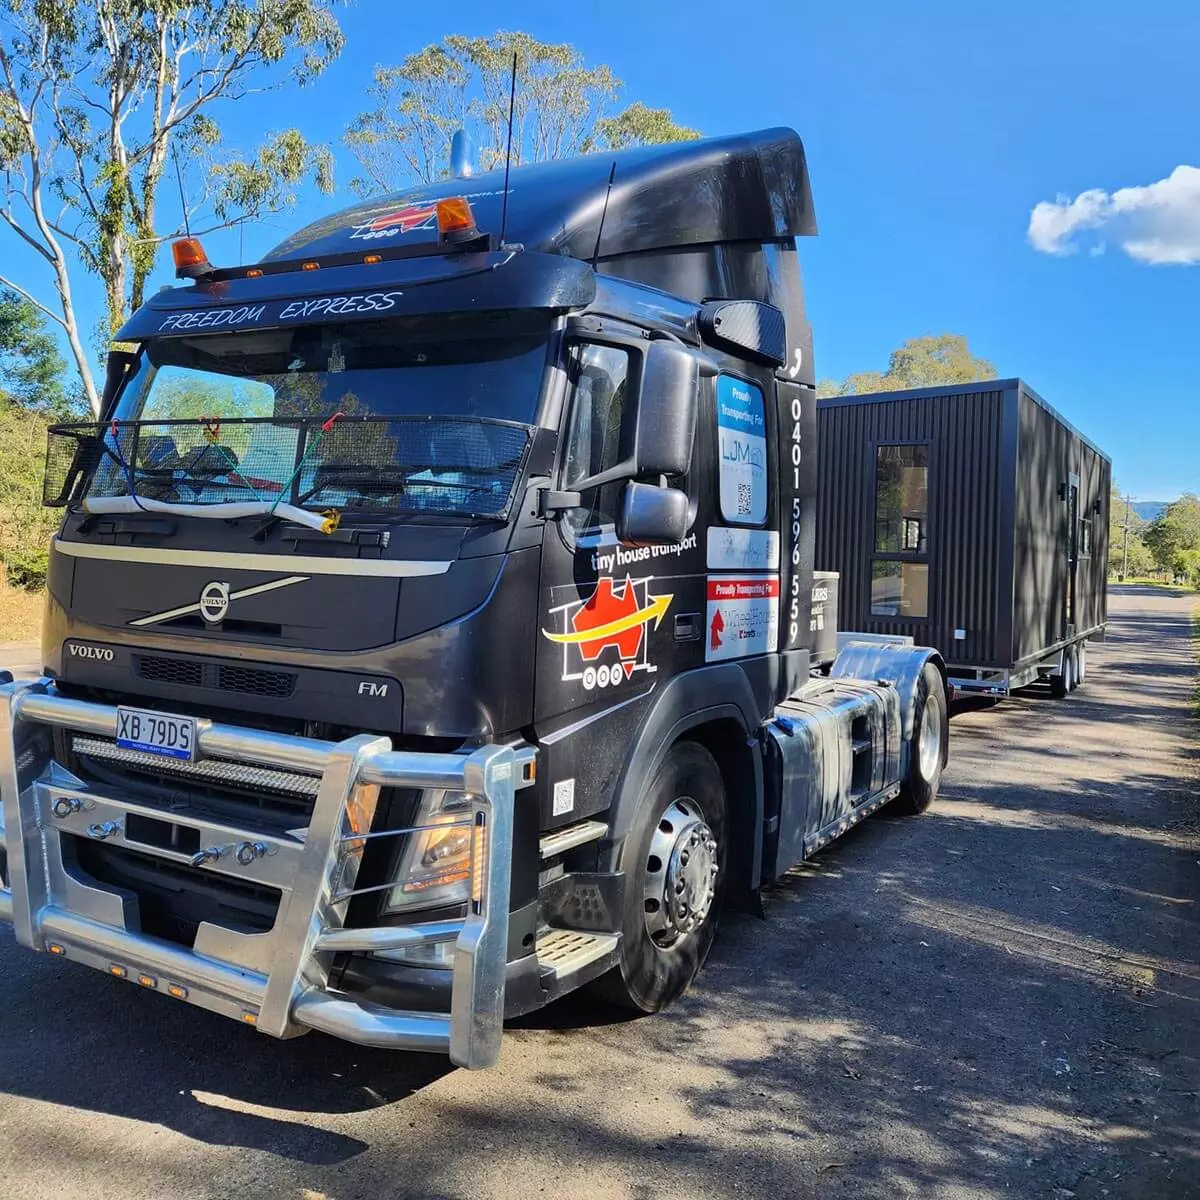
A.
pixel 75 1038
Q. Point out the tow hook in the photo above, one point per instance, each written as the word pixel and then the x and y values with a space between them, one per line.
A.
pixel 104 829
pixel 64 806
pixel 245 852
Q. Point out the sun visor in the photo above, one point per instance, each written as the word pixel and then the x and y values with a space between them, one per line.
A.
pixel 384 290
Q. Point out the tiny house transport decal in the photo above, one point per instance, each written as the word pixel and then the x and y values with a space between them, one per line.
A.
pixel 605 637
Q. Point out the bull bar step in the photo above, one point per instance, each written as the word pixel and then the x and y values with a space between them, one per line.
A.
pixel 278 981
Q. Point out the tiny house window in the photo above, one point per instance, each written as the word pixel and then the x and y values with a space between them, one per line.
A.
pixel 1085 538
pixel 900 566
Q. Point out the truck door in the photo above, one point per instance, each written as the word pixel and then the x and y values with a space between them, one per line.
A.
pixel 614 620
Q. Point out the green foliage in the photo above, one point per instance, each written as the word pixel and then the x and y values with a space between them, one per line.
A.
pixel 927 361
pixel 462 82
pixel 641 125
pixel 31 368
pixel 1185 566
pixel 1140 560
pixel 266 183
pixel 1176 531
pixel 25 526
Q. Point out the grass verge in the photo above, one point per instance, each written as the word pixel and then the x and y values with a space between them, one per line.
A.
pixel 20 614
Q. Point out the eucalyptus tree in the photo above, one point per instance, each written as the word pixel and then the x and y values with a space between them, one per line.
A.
pixel 97 97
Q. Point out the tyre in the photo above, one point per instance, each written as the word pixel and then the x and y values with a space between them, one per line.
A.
pixel 674 865
pixel 1080 663
pixel 931 736
pixel 1061 683
pixel 1075 680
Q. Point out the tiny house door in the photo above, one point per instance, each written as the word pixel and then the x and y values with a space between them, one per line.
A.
pixel 1072 552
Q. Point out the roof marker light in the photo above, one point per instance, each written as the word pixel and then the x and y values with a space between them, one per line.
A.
pixel 190 260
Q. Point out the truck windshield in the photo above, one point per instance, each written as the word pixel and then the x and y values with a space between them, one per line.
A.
pixel 431 416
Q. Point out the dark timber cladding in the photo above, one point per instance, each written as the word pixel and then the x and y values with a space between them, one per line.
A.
pixel 971 518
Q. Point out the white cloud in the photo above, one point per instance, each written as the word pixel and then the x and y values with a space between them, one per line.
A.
pixel 1158 223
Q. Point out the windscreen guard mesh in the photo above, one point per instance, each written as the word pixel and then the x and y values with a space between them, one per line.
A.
pixel 456 465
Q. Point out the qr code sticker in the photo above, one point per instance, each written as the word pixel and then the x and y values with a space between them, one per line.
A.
pixel 743 499
pixel 564 797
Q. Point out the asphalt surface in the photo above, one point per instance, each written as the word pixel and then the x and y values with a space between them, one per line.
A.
pixel 999 998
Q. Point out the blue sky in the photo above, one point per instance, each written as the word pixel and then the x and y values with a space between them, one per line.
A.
pixel 932 129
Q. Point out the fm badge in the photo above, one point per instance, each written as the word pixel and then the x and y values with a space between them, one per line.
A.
pixel 214 602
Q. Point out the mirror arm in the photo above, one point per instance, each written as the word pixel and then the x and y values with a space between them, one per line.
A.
pixel 550 501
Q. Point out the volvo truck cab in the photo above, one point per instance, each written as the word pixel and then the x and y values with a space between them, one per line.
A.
pixel 429 630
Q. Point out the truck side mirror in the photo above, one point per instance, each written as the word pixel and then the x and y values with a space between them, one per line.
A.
pixel 652 515
pixel 664 420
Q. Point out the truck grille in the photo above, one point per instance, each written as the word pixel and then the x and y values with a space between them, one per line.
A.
pixel 174 898
pixel 213 770
pixel 242 793
pixel 187 672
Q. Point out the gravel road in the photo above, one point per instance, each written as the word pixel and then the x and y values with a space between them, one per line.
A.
pixel 1001 998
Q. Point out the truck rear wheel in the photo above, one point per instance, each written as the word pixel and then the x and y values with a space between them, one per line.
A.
pixel 674 865
pixel 931 736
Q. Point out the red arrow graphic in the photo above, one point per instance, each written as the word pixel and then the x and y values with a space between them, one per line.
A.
pixel 718 624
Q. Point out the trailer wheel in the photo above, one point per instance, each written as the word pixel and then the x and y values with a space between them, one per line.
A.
pixel 674 864
pixel 1077 665
pixel 1064 681
pixel 931 736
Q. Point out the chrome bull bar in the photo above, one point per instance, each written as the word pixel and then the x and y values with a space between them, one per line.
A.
pixel 278 981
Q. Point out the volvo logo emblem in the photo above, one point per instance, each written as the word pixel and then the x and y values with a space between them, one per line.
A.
pixel 214 602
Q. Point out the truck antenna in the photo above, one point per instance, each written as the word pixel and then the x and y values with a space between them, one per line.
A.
pixel 512 103
pixel 603 213
pixel 187 227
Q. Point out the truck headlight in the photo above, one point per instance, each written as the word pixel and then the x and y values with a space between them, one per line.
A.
pixel 435 867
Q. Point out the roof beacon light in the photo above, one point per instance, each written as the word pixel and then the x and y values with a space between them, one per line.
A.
pixel 456 223
pixel 190 260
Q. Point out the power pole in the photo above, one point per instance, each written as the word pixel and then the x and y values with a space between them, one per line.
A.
pixel 1125 567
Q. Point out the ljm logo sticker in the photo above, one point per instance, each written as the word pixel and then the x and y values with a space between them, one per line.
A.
pixel 605 637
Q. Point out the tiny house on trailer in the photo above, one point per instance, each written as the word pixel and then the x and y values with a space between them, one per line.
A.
pixel 971 518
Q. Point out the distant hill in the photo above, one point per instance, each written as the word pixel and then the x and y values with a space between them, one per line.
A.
pixel 1149 510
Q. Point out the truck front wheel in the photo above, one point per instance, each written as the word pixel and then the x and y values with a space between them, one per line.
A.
pixel 674 866
pixel 931 735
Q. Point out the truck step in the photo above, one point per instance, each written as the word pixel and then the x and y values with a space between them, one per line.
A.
pixel 563 953
pixel 861 745
pixel 563 840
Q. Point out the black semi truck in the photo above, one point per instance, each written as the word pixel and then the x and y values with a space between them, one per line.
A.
pixel 428 631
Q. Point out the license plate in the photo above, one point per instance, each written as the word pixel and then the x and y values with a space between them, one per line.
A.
pixel 156 733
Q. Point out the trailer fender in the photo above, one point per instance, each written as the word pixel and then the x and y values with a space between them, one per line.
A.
pixel 685 704
pixel 897 664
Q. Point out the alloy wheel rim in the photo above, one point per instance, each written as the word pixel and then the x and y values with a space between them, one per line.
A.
pixel 681 870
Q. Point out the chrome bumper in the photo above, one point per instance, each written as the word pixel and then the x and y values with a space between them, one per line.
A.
pixel 277 981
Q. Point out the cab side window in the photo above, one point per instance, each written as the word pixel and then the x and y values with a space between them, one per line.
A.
pixel 600 377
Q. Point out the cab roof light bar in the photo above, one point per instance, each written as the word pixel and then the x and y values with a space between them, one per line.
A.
pixel 457 232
